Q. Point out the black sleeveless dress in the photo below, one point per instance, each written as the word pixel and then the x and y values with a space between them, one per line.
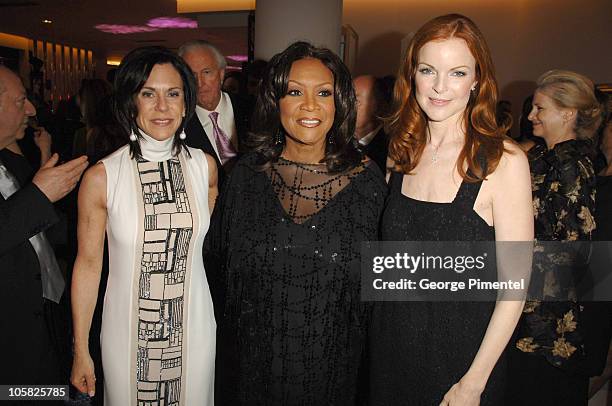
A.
pixel 418 350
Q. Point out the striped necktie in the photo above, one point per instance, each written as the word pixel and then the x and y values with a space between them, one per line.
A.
pixel 224 145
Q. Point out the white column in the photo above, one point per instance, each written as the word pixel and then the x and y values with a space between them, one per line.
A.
pixel 279 23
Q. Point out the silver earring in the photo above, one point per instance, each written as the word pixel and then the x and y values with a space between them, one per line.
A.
pixel 279 138
pixel 330 139
pixel 133 136
pixel 182 135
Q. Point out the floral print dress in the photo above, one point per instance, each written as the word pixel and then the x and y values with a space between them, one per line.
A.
pixel 563 187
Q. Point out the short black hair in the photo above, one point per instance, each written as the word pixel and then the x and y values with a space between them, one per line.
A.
pixel 131 76
pixel 341 153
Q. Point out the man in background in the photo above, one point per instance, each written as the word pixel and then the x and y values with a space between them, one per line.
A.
pixel 220 123
pixel 372 102
pixel 32 283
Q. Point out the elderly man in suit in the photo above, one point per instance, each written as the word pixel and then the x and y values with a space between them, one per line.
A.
pixel 31 278
pixel 371 106
pixel 220 122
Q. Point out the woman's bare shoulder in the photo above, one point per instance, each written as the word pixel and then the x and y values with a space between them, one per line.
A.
pixel 93 184
pixel 512 159
pixel 95 174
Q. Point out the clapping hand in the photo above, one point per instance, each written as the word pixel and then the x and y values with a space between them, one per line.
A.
pixel 57 181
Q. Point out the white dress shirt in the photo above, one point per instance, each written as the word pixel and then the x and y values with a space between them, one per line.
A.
pixel 225 121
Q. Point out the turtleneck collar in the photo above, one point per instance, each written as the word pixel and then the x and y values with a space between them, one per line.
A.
pixel 154 150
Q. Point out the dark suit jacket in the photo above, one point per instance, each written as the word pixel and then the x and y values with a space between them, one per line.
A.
pixel 197 137
pixel 378 149
pixel 25 324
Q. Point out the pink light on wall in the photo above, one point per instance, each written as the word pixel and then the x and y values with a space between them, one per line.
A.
pixel 238 58
pixel 154 24
pixel 124 29
pixel 172 22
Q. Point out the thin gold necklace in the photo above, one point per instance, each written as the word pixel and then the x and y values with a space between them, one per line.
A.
pixel 434 155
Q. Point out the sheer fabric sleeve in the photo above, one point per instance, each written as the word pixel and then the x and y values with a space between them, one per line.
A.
pixel 216 243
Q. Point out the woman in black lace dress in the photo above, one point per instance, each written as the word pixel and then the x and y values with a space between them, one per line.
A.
pixel 288 233
pixel 549 359
pixel 455 178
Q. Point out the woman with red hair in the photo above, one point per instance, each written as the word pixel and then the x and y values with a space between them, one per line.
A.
pixel 454 177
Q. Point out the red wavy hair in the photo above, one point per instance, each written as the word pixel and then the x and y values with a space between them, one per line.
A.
pixel 407 123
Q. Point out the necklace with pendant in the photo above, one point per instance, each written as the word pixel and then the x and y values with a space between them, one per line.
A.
pixel 434 155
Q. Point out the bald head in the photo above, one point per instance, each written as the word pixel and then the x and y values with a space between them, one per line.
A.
pixel 15 108
pixel 4 74
pixel 366 105
pixel 364 82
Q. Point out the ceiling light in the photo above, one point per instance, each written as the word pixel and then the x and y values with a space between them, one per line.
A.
pixel 47 21
pixel 238 58
pixel 113 61
pixel 172 22
pixel 199 6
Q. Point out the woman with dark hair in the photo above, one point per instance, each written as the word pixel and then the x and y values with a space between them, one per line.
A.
pixel 101 134
pixel 153 197
pixel 548 360
pixel 287 231
pixel 455 177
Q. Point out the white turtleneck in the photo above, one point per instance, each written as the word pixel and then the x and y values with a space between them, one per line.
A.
pixel 154 150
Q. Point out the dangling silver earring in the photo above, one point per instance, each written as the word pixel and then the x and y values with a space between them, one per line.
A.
pixel 330 139
pixel 133 136
pixel 279 138
pixel 182 135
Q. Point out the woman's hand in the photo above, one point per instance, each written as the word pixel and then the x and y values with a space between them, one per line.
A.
pixel 86 273
pixel 463 393
pixel 83 375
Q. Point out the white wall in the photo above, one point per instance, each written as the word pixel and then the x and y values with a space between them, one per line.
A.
pixel 526 37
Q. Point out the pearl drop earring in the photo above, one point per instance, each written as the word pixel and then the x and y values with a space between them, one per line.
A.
pixel 182 135
pixel 133 136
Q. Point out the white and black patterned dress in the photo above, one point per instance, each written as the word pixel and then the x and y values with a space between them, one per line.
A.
pixel 158 325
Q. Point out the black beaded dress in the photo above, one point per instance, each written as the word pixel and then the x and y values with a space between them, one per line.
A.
pixel 419 350
pixel 293 328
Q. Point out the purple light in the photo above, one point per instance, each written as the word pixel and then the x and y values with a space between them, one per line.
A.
pixel 238 58
pixel 124 29
pixel 172 22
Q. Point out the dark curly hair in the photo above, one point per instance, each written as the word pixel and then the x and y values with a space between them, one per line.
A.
pixel 131 76
pixel 341 153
